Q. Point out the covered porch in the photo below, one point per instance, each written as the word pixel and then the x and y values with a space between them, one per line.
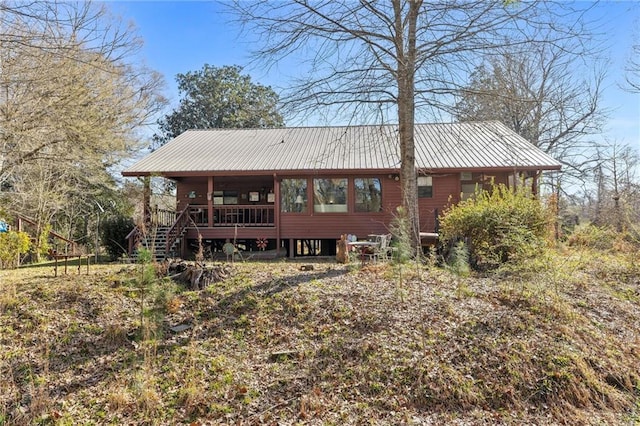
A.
pixel 229 201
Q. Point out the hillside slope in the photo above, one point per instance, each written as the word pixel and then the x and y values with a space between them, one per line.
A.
pixel 335 345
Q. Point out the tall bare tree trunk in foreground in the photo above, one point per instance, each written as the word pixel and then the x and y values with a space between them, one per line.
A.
pixel 406 57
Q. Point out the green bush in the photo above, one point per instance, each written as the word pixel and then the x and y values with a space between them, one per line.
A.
pixel 12 245
pixel 114 231
pixel 40 246
pixel 501 225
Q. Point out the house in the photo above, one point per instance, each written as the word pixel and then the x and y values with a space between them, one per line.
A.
pixel 299 189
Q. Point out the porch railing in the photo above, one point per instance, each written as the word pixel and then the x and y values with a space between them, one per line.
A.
pixel 243 215
pixel 163 217
pixel 250 215
pixel 181 222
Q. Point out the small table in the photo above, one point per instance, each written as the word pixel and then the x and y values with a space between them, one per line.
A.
pixel 362 246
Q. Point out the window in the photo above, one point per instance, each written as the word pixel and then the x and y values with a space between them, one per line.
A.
pixel 466 176
pixel 293 195
pixel 425 187
pixel 368 195
pixel 468 185
pixel 330 195
pixel 468 190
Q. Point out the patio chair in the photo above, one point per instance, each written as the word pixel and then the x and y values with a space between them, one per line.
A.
pixel 231 251
pixel 382 250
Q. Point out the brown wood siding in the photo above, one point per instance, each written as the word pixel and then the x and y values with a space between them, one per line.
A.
pixel 332 225
pixel 310 225
pixel 185 186
pixel 230 233
pixel 501 178
pixel 446 189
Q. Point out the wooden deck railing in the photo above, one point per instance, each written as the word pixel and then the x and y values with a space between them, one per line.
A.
pixel 70 247
pixel 133 238
pixel 199 214
pixel 243 215
pixel 181 222
pixel 249 215
pixel 163 217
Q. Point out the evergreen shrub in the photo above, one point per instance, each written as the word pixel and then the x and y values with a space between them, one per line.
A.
pixel 500 225
pixel 114 231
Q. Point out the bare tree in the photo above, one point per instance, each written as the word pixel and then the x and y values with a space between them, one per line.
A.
pixel 395 59
pixel 65 89
pixel 632 75
pixel 71 104
pixel 617 200
pixel 549 94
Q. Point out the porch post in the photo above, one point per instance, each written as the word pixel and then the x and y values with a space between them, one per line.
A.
pixel 210 201
pixel 146 200
pixel 276 210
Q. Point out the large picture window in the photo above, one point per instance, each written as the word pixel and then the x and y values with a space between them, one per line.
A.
pixel 330 195
pixel 368 195
pixel 293 195
pixel 425 187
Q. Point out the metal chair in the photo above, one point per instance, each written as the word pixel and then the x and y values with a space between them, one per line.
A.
pixel 382 250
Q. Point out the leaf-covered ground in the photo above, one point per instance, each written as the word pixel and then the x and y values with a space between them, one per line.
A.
pixel 333 345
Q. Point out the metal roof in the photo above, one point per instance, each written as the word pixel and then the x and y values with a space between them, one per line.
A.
pixel 465 146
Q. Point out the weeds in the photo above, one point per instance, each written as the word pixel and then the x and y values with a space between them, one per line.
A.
pixel 273 345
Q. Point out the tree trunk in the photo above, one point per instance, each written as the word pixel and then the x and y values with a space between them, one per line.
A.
pixel 405 76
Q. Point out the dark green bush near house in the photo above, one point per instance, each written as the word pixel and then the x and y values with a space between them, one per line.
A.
pixel 501 225
pixel 114 231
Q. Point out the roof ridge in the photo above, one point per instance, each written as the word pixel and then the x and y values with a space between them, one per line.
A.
pixel 342 126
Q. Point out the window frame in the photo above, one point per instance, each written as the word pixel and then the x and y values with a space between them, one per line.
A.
pixel 301 192
pixel 355 195
pixel 334 200
pixel 429 186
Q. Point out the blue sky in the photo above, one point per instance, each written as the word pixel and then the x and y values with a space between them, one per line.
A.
pixel 182 36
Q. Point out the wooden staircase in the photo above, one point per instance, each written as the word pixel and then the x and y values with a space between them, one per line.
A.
pixel 162 240
pixel 156 242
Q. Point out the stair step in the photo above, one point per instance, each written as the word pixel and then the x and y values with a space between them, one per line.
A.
pixel 157 241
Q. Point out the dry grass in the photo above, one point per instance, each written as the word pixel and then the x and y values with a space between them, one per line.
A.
pixel 337 345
